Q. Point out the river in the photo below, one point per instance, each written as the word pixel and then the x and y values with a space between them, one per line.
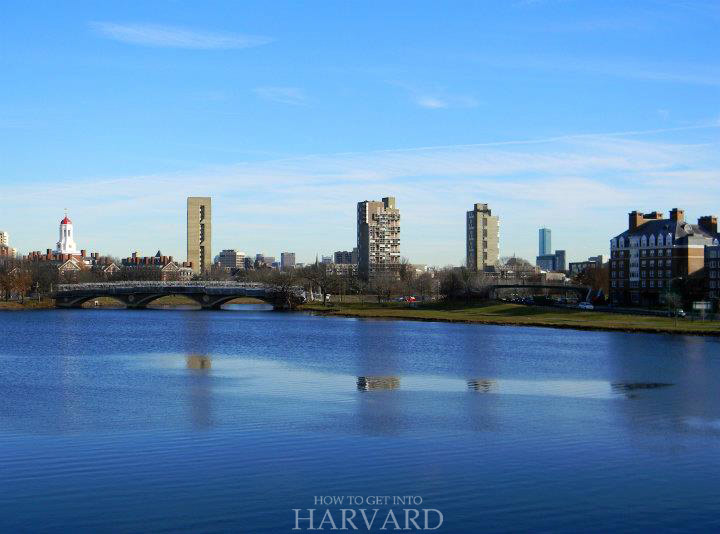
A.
pixel 227 421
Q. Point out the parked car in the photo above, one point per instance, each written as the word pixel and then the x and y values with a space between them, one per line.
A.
pixel 677 313
pixel 586 306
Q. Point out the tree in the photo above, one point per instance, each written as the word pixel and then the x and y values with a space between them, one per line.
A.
pixel 21 283
pixel 384 285
pixel 319 275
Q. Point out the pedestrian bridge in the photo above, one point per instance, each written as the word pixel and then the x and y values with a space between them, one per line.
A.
pixel 582 291
pixel 209 295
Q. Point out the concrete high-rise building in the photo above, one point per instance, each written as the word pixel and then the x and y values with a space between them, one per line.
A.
pixel 482 231
pixel 199 233
pixel 544 242
pixel 4 238
pixel 378 237
pixel 231 259
pixel 287 261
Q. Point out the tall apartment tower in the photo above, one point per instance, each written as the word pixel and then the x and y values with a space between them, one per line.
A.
pixel 199 233
pixel 378 237
pixel 544 242
pixel 4 238
pixel 482 238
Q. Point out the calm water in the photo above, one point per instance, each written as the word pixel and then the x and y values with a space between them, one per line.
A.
pixel 189 421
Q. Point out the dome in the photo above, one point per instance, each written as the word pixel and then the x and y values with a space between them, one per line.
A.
pixel 66 220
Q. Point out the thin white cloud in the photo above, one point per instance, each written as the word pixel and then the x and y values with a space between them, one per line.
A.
pixel 581 185
pixel 175 37
pixel 430 102
pixel 441 102
pixel 293 96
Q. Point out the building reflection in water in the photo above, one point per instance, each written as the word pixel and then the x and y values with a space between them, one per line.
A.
pixel 199 366
pixel 482 385
pixel 196 361
pixel 367 383
pixel 380 413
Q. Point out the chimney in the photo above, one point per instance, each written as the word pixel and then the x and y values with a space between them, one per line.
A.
pixel 677 215
pixel 708 223
pixel 83 253
pixel 635 219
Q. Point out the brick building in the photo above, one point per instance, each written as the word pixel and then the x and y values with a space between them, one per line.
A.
pixel 656 255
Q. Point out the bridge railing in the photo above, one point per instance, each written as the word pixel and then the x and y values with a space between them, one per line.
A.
pixel 105 286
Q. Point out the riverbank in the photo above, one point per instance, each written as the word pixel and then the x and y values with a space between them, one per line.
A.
pixel 29 304
pixel 498 313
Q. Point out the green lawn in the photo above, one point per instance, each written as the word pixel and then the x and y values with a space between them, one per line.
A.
pixel 518 314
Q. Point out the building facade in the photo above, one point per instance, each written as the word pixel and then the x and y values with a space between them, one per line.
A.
pixel 544 242
pixel 6 251
pixel 712 273
pixel 231 259
pixel 346 256
pixel 482 237
pixel 287 261
pixel 168 269
pixel 378 237
pixel 656 256
pixel 199 233
pixel 593 262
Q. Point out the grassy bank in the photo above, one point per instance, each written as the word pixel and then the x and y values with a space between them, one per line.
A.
pixel 520 315
pixel 42 304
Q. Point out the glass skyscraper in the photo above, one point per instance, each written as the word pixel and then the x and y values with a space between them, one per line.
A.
pixel 544 245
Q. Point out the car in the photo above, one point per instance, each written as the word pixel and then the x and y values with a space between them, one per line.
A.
pixel 586 306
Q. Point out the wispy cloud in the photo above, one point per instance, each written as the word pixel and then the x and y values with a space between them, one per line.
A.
pixel 582 185
pixel 443 101
pixel 293 96
pixel 175 37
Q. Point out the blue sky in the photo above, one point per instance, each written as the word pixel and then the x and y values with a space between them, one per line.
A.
pixel 558 113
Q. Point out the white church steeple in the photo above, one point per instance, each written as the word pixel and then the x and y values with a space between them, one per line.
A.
pixel 66 245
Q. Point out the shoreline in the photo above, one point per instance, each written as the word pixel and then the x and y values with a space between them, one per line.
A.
pixel 567 319
pixel 488 313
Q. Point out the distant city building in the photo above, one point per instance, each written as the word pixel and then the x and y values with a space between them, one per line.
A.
pixel 346 256
pixel 287 261
pixel 655 256
pixel 326 260
pixel 482 237
pixel 170 270
pixel 66 243
pixel 593 262
pixel 199 233
pixel 231 259
pixel 264 261
pixel 552 262
pixel 6 251
pixel 712 271
pixel 378 237
pixel 544 242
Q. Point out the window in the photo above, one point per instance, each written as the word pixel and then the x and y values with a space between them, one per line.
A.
pixel 642 263
pixel 668 273
pixel 651 274
pixel 622 283
pixel 660 283
pixel 643 283
pixel 660 240
pixel 652 283
pixel 614 283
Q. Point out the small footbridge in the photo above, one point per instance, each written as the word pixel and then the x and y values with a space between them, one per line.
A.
pixel 209 295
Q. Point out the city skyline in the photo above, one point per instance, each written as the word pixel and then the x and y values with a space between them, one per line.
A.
pixel 428 112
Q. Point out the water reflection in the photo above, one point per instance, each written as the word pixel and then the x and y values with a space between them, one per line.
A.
pixel 482 385
pixel 367 383
pixel 195 361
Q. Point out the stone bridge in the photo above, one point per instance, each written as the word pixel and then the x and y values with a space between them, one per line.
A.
pixel 209 295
